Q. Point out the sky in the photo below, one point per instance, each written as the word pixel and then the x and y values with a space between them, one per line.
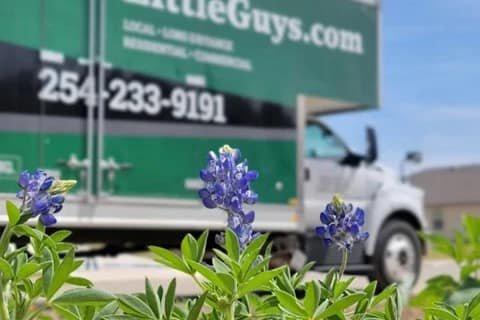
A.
pixel 430 85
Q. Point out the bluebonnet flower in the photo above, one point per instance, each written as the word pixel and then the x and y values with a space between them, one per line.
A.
pixel 227 186
pixel 341 224
pixel 42 195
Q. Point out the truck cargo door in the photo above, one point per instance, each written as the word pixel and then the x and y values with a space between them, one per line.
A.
pixel 44 91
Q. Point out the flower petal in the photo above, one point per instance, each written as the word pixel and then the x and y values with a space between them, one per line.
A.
pixel 249 217
pixel 209 203
pixel 46 184
pixel 325 218
pixel 48 219
pixel 321 231
pixel 203 193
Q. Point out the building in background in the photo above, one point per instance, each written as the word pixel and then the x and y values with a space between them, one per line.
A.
pixel 450 192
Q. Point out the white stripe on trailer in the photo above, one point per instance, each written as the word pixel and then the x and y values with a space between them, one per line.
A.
pixel 107 65
pixel 52 56
pixel 83 61
pixel 197 80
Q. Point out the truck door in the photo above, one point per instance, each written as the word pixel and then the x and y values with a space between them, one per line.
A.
pixel 146 152
pixel 331 168
pixel 325 175
pixel 43 90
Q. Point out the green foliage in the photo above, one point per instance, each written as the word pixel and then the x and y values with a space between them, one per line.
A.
pixel 464 249
pixel 36 271
pixel 233 281
pixel 463 311
pixel 237 284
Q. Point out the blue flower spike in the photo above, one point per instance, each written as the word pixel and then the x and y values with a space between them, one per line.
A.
pixel 341 224
pixel 227 186
pixel 42 195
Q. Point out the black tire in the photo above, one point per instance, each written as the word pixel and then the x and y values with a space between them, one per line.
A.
pixel 411 259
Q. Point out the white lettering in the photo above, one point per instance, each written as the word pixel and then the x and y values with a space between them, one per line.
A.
pixel 280 24
pixel 216 11
pixel 242 19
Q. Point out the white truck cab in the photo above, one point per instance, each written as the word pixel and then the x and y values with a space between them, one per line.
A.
pixel 394 210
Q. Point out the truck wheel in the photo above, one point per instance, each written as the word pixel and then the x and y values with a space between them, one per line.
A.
pixel 398 255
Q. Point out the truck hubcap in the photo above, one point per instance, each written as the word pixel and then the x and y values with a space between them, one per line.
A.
pixel 399 258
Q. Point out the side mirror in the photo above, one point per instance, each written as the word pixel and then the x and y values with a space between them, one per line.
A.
pixel 372 148
pixel 414 156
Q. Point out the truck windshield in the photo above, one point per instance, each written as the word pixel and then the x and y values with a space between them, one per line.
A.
pixel 320 143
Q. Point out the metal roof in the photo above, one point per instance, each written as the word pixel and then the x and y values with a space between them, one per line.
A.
pixel 449 185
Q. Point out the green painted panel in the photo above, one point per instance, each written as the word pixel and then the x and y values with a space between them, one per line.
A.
pixel 284 62
pixel 36 150
pixel 344 66
pixel 162 165
pixel 58 25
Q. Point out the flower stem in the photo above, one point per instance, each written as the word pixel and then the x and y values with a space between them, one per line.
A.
pixel 343 266
pixel 3 306
pixel 231 312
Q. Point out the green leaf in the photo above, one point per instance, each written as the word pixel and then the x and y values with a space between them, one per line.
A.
pixel 79 281
pixel 370 289
pixel 232 245
pixel 391 309
pixel 27 270
pixel 201 245
pixel 6 269
pixel 258 281
pixel 66 313
pixel 440 313
pixel 290 303
pixel 385 294
pixel 441 244
pixel 28 231
pixel 109 309
pixel 170 299
pixel 473 303
pixel 169 259
pixel 254 247
pixel 134 306
pixel 312 298
pixel 341 286
pixel 472 227
pixel 340 305
pixel 210 275
pixel 298 277
pixel 197 307
pixel 189 247
pixel 24 217
pixel 220 266
pixel 84 296
pixel 463 296
pixel 13 213
pixel 228 281
pixel 61 274
pixel 152 298
pixel 259 267
pixel 60 235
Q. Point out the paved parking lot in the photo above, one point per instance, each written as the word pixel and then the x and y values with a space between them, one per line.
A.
pixel 126 274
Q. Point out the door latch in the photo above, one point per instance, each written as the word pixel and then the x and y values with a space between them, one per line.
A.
pixel 75 164
pixel 111 166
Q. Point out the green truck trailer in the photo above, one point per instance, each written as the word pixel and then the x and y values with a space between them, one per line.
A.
pixel 127 97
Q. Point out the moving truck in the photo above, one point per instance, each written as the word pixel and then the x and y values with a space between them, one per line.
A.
pixel 128 96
